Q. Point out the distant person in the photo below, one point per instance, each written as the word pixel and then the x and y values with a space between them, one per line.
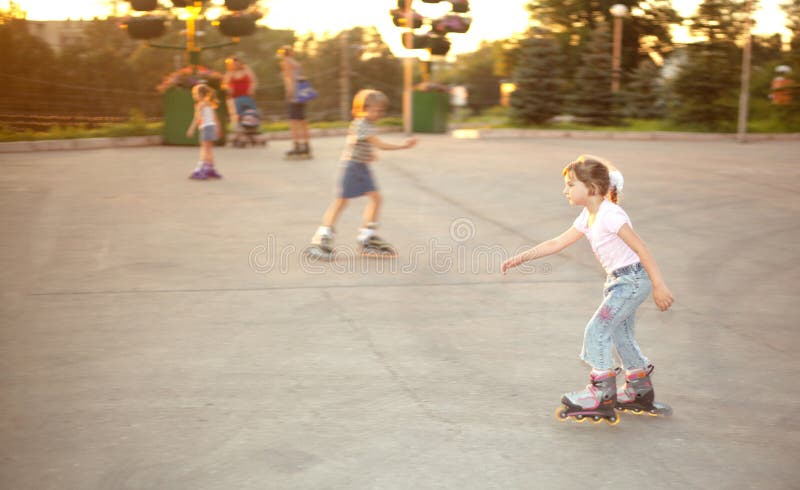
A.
pixel 356 178
pixel 240 83
pixel 632 273
pixel 459 98
pixel 781 87
pixel 205 118
pixel 292 71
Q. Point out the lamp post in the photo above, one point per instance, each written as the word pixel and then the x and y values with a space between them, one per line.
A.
pixel 744 91
pixel 408 72
pixel 618 11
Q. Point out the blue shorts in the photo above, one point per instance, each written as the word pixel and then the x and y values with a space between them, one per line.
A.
pixel 297 111
pixel 243 102
pixel 356 180
pixel 209 133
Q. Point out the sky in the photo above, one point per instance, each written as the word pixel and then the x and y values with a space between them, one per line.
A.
pixel 492 19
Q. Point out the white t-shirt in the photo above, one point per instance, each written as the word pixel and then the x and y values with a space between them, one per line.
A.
pixel 608 247
pixel 207 116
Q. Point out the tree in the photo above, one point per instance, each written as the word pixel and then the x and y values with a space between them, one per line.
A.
pixel 27 63
pixel 371 66
pixel 720 20
pixel 792 9
pixel 477 71
pixel 644 94
pixel 538 79
pixel 98 77
pixel 572 23
pixel 374 66
pixel 591 98
pixel 705 91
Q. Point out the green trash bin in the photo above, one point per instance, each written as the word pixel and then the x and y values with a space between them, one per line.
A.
pixel 178 114
pixel 430 111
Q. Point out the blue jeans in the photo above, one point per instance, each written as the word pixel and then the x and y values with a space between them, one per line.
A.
pixel 613 322
pixel 243 102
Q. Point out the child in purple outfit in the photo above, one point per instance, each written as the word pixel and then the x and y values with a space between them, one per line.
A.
pixel 205 118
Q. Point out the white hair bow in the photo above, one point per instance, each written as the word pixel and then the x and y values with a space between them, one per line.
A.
pixel 615 177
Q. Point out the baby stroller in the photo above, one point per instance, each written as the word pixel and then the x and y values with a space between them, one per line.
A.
pixel 248 130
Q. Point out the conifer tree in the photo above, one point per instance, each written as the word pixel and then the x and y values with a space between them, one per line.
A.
pixel 706 89
pixel 538 78
pixel 792 9
pixel 644 94
pixel 592 99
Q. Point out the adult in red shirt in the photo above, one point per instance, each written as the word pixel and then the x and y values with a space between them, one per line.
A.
pixel 240 83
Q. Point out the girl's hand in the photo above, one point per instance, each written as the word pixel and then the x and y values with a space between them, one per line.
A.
pixel 663 297
pixel 190 133
pixel 510 264
pixel 411 142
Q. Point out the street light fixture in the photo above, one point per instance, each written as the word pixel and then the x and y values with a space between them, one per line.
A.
pixel 618 11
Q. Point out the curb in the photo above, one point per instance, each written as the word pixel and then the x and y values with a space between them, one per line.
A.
pixel 79 144
pixel 135 141
pixel 461 133
pixel 488 133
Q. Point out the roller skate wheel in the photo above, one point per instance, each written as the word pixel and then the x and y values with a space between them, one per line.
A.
pixel 662 409
pixel 613 420
pixel 379 254
pixel 316 253
pixel 561 413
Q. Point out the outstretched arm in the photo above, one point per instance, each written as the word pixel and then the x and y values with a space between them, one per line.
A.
pixel 661 293
pixel 550 247
pixel 382 145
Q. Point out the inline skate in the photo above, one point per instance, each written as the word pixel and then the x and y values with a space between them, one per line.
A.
pixel 298 152
pixel 372 245
pixel 321 245
pixel 638 396
pixel 595 403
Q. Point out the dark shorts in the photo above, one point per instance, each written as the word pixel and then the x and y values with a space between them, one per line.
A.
pixel 297 111
pixel 356 180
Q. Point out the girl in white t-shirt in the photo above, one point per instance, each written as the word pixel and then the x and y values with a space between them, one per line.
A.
pixel 205 118
pixel 632 273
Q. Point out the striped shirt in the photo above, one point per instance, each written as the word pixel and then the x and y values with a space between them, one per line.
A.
pixel 357 148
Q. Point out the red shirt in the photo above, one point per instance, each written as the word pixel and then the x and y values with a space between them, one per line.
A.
pixel 240 86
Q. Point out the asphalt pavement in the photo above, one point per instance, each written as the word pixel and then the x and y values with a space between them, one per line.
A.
pixel 163 333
